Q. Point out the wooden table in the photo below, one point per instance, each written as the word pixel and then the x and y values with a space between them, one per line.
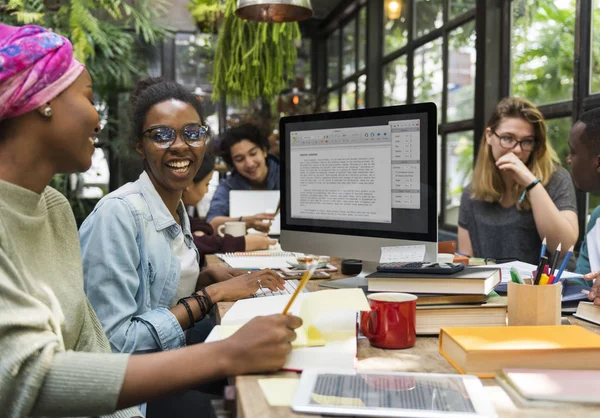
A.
pixel 423 357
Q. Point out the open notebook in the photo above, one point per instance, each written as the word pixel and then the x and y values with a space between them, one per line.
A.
pixel 259 260
pixel 327 337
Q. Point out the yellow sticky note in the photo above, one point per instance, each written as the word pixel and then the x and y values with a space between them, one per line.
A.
pixel 279 391
pixel 304 337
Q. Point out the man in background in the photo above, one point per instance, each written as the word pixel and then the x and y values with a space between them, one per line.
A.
pixel 584 159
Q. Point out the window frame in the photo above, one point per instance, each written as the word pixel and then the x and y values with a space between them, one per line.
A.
pixel 493 22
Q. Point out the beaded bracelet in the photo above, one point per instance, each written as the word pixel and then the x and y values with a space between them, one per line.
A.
pixel 189 311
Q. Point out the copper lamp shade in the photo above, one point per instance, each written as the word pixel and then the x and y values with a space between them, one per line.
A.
pixel 274 10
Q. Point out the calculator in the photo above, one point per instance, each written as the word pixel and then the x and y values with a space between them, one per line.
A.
pixel 420 267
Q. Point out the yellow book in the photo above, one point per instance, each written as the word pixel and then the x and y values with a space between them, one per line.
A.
pixel 484 351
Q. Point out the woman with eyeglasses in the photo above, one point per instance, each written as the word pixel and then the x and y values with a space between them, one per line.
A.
pixel 140 264
pixel 55 359
pixel 519 194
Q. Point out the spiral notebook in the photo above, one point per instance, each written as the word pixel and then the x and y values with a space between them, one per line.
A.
pixel 258 260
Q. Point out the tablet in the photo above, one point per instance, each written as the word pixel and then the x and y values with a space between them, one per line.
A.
pixel 391 394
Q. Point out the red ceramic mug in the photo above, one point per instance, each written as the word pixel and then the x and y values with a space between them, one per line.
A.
pixel 391 321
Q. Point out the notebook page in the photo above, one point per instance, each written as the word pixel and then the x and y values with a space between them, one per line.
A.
pixel 258 260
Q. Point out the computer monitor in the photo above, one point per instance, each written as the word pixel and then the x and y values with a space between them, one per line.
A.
pixel 353 182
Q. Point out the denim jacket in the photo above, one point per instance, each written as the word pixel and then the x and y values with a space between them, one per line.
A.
pixel 129 269
pixel 219 205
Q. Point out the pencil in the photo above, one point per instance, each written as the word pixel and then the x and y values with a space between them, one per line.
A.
pixel 311 269
pixel 563 266
pixel 556 257
pixel 543 249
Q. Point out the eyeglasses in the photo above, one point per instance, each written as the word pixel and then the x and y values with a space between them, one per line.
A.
pixel 194 134
pixel 508 141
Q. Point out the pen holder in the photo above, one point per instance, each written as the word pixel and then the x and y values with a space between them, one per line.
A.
pixel 534 305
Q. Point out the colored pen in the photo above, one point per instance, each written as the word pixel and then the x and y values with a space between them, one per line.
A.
pixel 540 269
pixel 543 279
pixel 563 266
pixel 543 250
pixel 556 257
pixel 551 279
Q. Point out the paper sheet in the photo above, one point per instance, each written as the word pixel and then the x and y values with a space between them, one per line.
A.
pixel 402 253
pixel 279 391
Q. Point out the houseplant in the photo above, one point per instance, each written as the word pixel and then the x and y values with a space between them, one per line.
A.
pixel 253 59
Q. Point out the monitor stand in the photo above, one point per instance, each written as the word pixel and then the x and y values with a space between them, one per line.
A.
pixel 359 281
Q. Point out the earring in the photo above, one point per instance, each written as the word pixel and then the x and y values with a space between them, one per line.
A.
pixel 47 111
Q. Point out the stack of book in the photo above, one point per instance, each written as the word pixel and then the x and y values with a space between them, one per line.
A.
pixel 459 299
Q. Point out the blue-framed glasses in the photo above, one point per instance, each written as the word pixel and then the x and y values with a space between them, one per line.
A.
pixel 194 134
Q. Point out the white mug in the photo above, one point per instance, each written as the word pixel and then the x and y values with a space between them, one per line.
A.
pixel 236 229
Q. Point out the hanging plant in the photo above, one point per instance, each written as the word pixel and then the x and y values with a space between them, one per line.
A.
pixel 207 14
pixel 253 59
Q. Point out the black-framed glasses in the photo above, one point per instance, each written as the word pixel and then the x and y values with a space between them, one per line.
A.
pixel 508 141
pixel 194 134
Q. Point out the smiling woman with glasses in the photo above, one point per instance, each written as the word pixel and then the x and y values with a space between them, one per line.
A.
pixel 519 194
pixel 141 266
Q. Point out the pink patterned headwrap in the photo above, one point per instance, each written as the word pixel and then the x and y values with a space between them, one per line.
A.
pixel 35 66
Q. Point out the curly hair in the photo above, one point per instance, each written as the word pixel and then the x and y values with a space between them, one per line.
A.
pixel 234 135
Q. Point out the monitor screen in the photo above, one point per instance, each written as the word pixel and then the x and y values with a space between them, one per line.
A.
pixel 363 173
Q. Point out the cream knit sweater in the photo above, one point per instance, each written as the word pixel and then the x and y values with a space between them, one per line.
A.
pixel 54 357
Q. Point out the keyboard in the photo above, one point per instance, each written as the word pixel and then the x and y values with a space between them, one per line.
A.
pixel 290 288
pixel 420 267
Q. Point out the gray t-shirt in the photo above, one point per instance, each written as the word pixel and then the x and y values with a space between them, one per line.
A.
pixel 499 233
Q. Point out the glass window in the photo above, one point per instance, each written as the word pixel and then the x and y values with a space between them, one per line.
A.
pixel 349 96
pixel 461 73
pixel 362 38
pixel 558 135
pixel 428 74
pixel 333 104
pixel 458 7
pixel 194 58
pixel 395 82
pixel 428 16
pixel 542 45
pixel 302 69
pixel 595 67
pixel 458 169
pixel 361 91
pixel 395 27
pixel 349 49
pixel 333 55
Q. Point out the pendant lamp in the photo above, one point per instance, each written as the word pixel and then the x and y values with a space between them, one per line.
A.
pixel 274 10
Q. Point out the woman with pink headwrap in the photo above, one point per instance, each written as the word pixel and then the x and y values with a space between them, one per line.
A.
pixel 55 359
